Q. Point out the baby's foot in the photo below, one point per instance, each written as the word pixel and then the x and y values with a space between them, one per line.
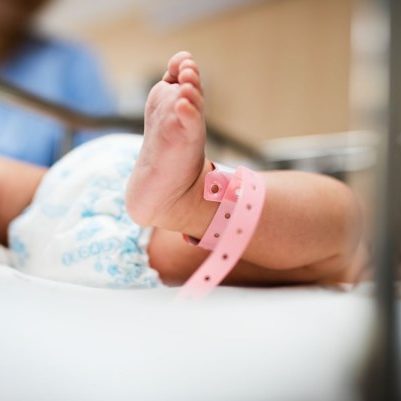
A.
pixel 172 155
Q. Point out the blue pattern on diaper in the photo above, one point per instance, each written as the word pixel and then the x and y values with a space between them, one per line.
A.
pixel 84 233
pixel 19 250
pixel 96 248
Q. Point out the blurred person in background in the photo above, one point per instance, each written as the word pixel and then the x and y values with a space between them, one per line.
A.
pixel 62 72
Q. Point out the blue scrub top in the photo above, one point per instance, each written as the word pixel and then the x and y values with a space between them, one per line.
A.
pixel 63 72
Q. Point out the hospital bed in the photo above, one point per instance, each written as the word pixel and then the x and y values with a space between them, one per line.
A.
pixel 64 342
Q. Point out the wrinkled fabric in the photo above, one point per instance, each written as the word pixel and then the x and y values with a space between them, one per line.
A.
pixel 77 228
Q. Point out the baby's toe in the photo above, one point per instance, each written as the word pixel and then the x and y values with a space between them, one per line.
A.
pixel 188 75
pixel 189 63
pixel 188 91
pixel 187 113
pixel 171 75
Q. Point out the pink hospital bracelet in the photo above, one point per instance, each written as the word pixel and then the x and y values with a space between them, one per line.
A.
pixel 216 184
pixel 228 235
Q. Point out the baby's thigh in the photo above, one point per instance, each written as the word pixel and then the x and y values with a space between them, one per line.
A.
pixel 18 184
pixel 176 260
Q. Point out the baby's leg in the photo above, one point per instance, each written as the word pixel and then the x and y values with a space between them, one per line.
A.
pixel 18 183
pixel 310 226
pixel 175 261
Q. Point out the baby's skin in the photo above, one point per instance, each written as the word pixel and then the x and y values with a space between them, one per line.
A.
pixel 310 227
pixel 309 230
pixel 172 156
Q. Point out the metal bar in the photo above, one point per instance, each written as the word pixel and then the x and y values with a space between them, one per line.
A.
pixel 69 117
pixel 239 146
pixel 76 120
pixel 388 222
pixel 381 381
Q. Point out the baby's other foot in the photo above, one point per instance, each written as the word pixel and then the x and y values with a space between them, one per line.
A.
pixel 172 156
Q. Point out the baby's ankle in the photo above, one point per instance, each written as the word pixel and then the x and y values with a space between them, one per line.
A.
pixel 191 214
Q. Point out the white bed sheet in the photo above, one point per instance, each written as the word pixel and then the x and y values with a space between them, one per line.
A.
pixel 64 342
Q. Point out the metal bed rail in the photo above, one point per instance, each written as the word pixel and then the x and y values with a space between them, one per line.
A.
pixel 75 120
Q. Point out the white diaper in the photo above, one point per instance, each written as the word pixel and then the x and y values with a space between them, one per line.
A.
pixel 77 228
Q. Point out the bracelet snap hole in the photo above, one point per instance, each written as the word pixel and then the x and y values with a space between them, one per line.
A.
pixel 207 278
pixel 254 187
pixel 227 215
pixel 249 206
pixel 239 231
pixel 214 189
pixel 225 256
pixel 216 235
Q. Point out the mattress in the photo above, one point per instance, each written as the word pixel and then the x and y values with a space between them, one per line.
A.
pixel 65 342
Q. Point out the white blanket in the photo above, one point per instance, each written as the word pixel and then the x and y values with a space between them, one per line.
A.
pixel 64 342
